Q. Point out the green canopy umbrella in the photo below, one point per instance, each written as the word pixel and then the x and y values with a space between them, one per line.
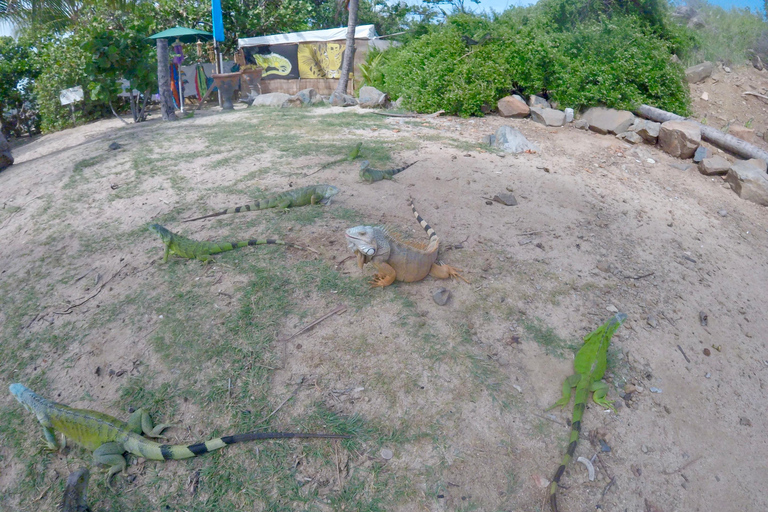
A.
pixel 184 35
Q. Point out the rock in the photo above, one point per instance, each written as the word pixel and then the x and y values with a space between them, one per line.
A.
pixel 705 96
pixel 568 115
pixel 648 130
pixel 581 124
pixel 537 101
pixel 757 62
pixel 398 103
pixel 699 72
pixel 631 137
pixel 612 308
pixel 714 165
pixel 652 321
pixel 371 97
pixel 548 116
pixel 749 182
pixel 679 138
pixel 510 106
pixel 747 134
pixel 6 158
pixel 726 69
pixel 759 163
pixel 505 199
pixel 722 213
pixel 743 420
pixel 342 100
pixel 308 97
pixel 114 146
pixel 607 120
pixel 489 139
pixel 511 140
pixel 441 296
pixel 700 154
pixel 272 99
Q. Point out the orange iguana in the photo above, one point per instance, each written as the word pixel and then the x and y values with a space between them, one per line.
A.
pixel 396 258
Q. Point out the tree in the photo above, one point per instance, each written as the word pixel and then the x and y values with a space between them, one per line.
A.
pixel 19 67
pixel 164 81
pixel 349 53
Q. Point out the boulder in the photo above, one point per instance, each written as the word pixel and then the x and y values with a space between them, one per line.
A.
pixel 272 99
pixel 745 134
pixel 537 101
pixel 714 165
pixel 699 72
pixel 568 115
pixel 759 163
pixel 648 130
pixel 581 124
pixel 679 138
pixel 548 116
pixel 371 97
pixel 6 158
pixel 607 120
pixel 510 106
pixel 303 98
pixel 342 100
pixel 700 154
pixel 631 137
pixel 749 182
pixel 512 141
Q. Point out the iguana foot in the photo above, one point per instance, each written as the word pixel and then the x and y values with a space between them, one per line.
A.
pixel 442 271
pixel 381 280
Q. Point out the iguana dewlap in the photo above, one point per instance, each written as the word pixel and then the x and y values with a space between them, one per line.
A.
pixel 395 258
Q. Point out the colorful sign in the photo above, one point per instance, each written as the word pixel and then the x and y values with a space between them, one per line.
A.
pixel 321 60
pixel 278 61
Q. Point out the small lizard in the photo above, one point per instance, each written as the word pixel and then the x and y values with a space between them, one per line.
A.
pixel 110 438
pixel 313 194
pixel 188 248
pixel 590 363
pixel 371 175
pixel 351 156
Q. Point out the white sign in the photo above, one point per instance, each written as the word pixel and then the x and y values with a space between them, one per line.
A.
pixel 71 95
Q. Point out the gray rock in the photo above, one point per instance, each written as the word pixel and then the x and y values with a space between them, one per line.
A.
pixel 742 132
pixel 512 141
pixel 607 120
pixel 581 124
pixel 114 146
pixel 441 296
pixel 699 72
pixel 648 130
pixel 509 106
pixel 568 115
pixel 700 154
pixel 548 116
pixel 489 139
pixel 679 138
pixel 308 96
pixel 342 100
pixel 722 213
pixel 757 62
pixel 714 165
pixel 631 137
pixel 683 167
pixel 726 69
pixel 537 101
pixel 506 199
pixel 6 158
pixel 272 99
pixel 371 97
pixel 759 163
pixel 398 102
pixel 749 182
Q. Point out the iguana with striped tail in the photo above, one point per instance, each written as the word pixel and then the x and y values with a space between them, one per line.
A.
pixel 371 175
pixel 590 364
pixel 313 194
pixel 110 438
pixel 188 248
pixel 396 258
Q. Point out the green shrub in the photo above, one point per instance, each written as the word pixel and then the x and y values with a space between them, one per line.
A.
pixel 727 35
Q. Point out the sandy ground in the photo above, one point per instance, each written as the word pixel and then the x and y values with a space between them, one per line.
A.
pixel 600 226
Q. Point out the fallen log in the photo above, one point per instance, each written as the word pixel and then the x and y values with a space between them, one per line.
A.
pixel 722 140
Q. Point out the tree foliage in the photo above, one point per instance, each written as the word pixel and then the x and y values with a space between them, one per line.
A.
pixel 19 67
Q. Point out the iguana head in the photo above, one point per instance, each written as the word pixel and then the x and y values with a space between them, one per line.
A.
pixel 362 241
pixel 328 192
pixel 19 391
pixel 364 165
pixel 160 230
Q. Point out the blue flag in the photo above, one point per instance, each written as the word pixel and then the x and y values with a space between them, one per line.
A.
pixel 218 23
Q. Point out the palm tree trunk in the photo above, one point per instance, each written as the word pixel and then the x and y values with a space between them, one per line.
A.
pixel 349 54
pixel 164 81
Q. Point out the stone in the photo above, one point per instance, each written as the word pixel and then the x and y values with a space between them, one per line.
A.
pixel 699 72
pixel 679 138
pixel 581 124
pixel 114 146
pixel 757 62
pixel 548 116
pixel 6 158
pixel 512 141
pixel 648 130
pixel 371 97
pixel 631 137
pixel 537 101
pixel 519 98
pixel 726 69
pixel 749 182
pixel 705 96
pixel 505 199
pixel 342 100
pixel 441 296
pixel 759 163
pixel 272 99
pixel 568 115
pixel 714 165
pixel 746 134
pixel 700 154
pixel 509 106
pixel 489 139
pixel 308 96
pixel 607 120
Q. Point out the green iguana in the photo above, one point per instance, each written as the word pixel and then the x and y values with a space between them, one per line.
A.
pixel 76 493
pixel 396 258
pixel 351 156
pixel 188 248
pixel 590 364
pixel 313 194
pixel 371 175
pixel 109 438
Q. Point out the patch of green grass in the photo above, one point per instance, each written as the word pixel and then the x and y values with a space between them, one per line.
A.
pixel 77 177
pixel 546 337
